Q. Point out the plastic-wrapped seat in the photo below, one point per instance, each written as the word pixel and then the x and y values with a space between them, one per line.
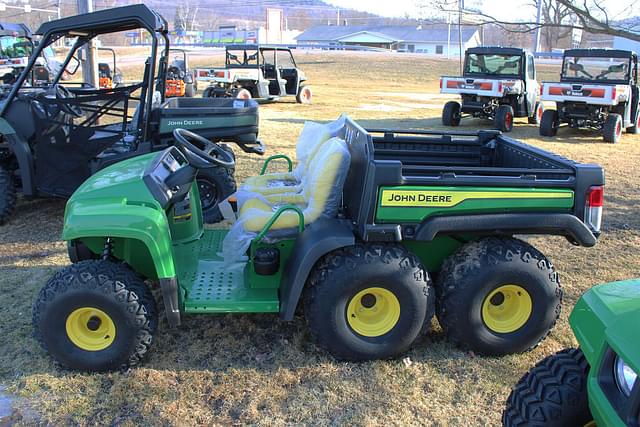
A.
pixel 321 196
pixel 312 137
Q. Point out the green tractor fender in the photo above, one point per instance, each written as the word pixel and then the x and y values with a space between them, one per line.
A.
pixel 22 152
pixel 317 240
pixel 131 227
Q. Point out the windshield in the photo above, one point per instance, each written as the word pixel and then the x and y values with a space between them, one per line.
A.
pixel 595 68
pixel 14 47
pixel 242 58
pixel 497 65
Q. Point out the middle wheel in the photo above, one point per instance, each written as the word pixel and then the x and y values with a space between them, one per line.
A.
pixel 368 301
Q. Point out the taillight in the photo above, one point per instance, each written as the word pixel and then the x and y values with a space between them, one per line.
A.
pixel 219 74
pixel 203 73
pixel 440 83
pixel 614 93
pixel 500 87
pixel 593 208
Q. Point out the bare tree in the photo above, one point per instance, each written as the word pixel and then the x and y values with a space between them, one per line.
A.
pixel 554 13
pixel 589 15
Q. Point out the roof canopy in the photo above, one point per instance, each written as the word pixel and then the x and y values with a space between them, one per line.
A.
pixel 18 30
pixel 254 47
pixel 106 21
pixel 496 50
pixel 601 53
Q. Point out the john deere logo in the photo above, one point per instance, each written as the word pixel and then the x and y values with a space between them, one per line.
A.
pixel 450 198
pixel 185 122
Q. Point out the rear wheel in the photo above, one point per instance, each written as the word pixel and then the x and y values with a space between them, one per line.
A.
pixel 497 296
pixel 504 118
pixel 549 123
pixel 95 316
pixel 208 93
pixel 552 394
pixel 451 114
pixel 304 95
pixel 214 185
pixel 612 129
pixel 7 195
pixel 636 124
pixel 243 93
pixel 537 114
pixel 368 301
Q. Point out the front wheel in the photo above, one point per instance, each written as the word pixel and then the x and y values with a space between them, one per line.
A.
pixel 504 118
pixel 552 394
pixel 451 114
pixel 7 195
pixel 214 185
pixel 497 296
pixel 612 130
pixel 538 110
pixel 304 95
pixel 95 316
pixel 368 301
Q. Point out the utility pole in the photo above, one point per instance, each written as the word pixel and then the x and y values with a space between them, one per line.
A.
pixel 536 45
pixel 90 57
pixel 460 8
pixel 338 17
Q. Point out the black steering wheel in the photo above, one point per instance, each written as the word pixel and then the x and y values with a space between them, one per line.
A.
pixel 204 153
pixel 62 93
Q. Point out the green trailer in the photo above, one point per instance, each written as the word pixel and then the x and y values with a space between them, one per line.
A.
pixel 371 234
pixel 595 384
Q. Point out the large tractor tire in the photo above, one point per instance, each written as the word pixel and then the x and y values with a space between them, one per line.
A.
pixel 189 90
pixel 214 185
pixel 304 95
pixel 503 120
pixel 612 130
pixel 451 114
pixel 549 123
pixel 95 316
pixel 497 296
pixel 368 301
pixel 538 111
pixel 552 394
pixel 7 195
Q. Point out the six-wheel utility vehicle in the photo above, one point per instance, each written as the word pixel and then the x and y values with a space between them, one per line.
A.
pixel 355 234
pixel 180 81
pixel 54 137
pixel 109 74
pixel 498 83
pixel 256 71
pixel 598 89
pixel 597 382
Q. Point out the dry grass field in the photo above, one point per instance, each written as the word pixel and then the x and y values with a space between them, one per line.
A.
pixel 253 369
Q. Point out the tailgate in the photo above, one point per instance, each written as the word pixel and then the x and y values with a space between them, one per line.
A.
pixel 588 93
pixel 481 87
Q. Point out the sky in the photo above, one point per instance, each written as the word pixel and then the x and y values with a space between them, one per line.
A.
pixel 500 9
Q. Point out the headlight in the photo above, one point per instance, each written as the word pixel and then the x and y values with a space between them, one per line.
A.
pixel 625 376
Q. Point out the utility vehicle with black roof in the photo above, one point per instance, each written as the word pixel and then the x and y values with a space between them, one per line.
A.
pixel 54 136
pixel 180 78
pixel 596 383
pixel 498 83
pixel 16 45
pixel 598 89
pixel 371 233
pixel 256 71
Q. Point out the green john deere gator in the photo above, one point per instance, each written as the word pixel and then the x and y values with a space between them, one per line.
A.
pixel 596 384
pixel 372 233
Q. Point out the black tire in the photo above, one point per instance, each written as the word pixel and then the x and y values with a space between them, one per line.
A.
pixel 304 95
pixel 549 123
pixel 504 118
pixel 484 275
pixel 451 114
pixel 208 93
pixel 636 126
pixel 189 91
pixel 7 195
pixel 552 394
pixel 612 129
pixel 343 274
pixel 98 285
pixel 215 185
pixel 538 111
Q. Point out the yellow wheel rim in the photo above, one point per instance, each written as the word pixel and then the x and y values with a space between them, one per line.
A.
pixel 506 309
pixel 90 329
pixel 373 312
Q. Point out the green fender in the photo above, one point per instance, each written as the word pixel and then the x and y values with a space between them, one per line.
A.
pixel 130 222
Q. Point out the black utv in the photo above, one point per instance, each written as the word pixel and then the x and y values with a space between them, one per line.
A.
pixel 53 137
